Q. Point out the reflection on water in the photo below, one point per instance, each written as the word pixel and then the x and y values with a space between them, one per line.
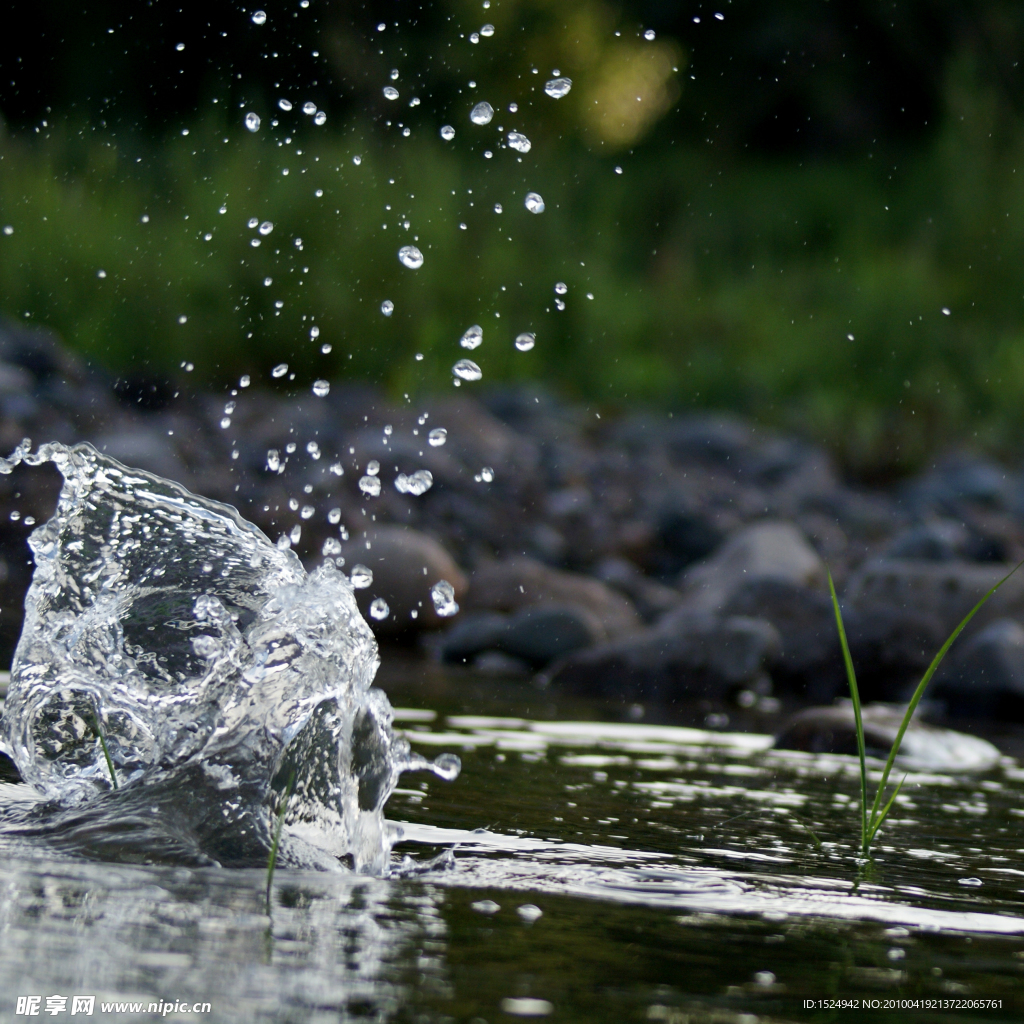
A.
pixel 679 874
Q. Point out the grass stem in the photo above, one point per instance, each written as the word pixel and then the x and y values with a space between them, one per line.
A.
pixel 272 860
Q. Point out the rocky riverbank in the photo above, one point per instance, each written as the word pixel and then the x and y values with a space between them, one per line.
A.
pixel 651 557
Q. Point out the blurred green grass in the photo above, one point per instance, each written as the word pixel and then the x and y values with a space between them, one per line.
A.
pixel 808 294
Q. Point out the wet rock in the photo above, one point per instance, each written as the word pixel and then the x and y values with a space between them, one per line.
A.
pixel 964 477
pixel 699 655
pixel 522 582
pixel 535 635
pixel 832 730
pixel 985 677
pixel 945 540
pixel 762 551
pixel 810 658
pixel 652 599
pixel 405 564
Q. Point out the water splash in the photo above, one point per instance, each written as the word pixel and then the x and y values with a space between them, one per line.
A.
pixel 214 669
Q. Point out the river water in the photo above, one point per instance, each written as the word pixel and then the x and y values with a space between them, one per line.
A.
pixel 587 865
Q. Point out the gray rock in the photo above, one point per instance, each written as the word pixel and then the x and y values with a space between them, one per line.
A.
pixel 535 635
pixel 652 599
pixel 405 564
pixel 832 730
pixel 522 582
pixel 144 448
pixel 699 656
pixel 985 677
pixel 944 540
pixel 810 659
pixel 762 551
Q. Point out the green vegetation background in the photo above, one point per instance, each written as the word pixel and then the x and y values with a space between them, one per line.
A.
pixel 806 286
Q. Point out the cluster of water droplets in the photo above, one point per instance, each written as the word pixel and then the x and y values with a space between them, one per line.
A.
pixel 165 632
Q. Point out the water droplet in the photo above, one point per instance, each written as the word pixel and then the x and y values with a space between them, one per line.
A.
pixel 180 47
pixel 558 87
pixel 525 341
pixel 314 450
pixel 387 307
pixel 719 17
pixel 390 92
pixel 259 17
pixel 326 348
pixel 472 338
pixel 244 381
pixel 332 547
pixel 513 107
pixel 487 31
pixel 307 511
pixel 561 288
pixel 320 117
pixel 534 203
pixel 225 423
pixel 266 227
pixel 252 121
pixel 442 593
pixel 296 533
pixel 559 304
pixel 649 35
pixel 379 609
pixel 370 485
pixel 437 437
pixel 309 108
pixel 357 160
pixel 284 104
pixel 482 113
pixel 945 310
pixel 321 388
pixel 498 208
pixel 487 475
pixel 381 27
pixel 415 483
pixel 8 230
pixel 183 319
pixel 394 74
pixel 474 37
pixel 410 257
pixel 314 332
pixel 466 369
pixel 486 907
pixel 253 222
pixel 388 430
pixel 519 142
pixel 618 170
pixel 447 133
pixel 971 881
pixel 360 577
pixel 529 912
pixel 373 467
pixel 318 193
pixel 280 370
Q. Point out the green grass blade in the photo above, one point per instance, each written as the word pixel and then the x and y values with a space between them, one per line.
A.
pixel 851 677
pixel 103 746
pixel 919 692
pixel 877 824
pixel 272 860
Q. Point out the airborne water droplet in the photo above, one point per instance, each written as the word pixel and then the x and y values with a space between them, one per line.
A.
pixel 252 121
pixel 482 113
pixel 558 87
pixel 379 609
pixel 320 117
pixel 253 222
pixel 321 388
pixel 259 17
pixel 442 593
pixel 280 370
pixel 519 142
pixel 561 288
pixel 387 307
pixel 487 475
pixel 284 104
pixel 309 108
pixel 437 437
pixel 410 257
pixel 534 202
pixel 447 133
pixel 370 486
pixel 525 341
pixel 360 577
pixel 415 483
pixel 473 337
pixel 649 35
pixel 266 227
pixel 390 92
pixel 466 369
pixel 373 467
pixel 487 31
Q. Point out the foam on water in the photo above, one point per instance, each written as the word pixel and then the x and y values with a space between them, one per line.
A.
pixel 218 673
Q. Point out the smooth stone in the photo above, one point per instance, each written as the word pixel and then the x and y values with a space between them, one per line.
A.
pixel 810 659
pixel 521 582
pixel 832 730
pixel 763 550
pixel 473 633
pixel 698 656
pixel 944 540
pixel 405 564
pixel 985 677
pixel 652 599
